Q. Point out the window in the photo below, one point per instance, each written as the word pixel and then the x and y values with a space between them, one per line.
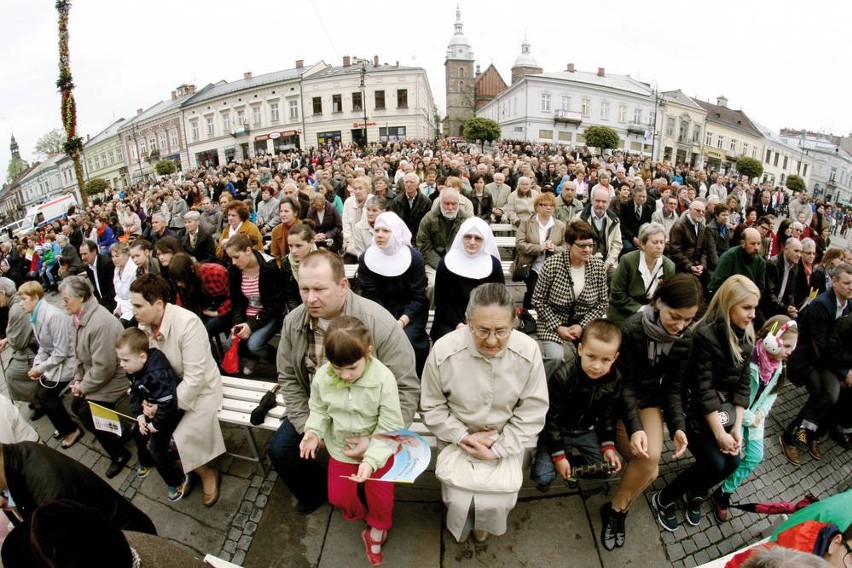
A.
pixel 380 100
pixel 193 130
pixel 708 138
pixel 461 72
pixel 402 98
pixel 241 117
pixel 696 133
pixel 336 103
pixel 391 133
pixel 670 125
pixel 622 113
pixel 152 144
pixel 317 105
pixel 586 107
pixel 545 134
pixel 768 155
pixel 805 170
pixel 746 146
pixel 635 146
pixel 210 128
pixel 754 152
pixel 683 133
pixel 777 155
pixel 255 115
pixel 733 145
pixel 581 139
pixel 133 154
pixel 174 137
pixel 143 147
pixel 637 116
pixel 604 110
pixel 720 142
pixel 97 163
pixel 784 167
pixel 164 144
pixel 273 113
pixel 226 121
pixel 566 102
pixel 111 157
pixel 294 109
pixel 545 102
pixel 119 155
pixel 357 102
pixel 565 136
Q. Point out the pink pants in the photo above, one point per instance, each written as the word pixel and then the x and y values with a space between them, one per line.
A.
pixel 343 494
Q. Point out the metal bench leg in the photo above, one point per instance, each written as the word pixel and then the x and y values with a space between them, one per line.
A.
pixel 261 463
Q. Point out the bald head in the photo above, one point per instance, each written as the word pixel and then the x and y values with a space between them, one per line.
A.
pixel 750 241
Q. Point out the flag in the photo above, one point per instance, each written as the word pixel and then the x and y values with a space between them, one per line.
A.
pixel 105 419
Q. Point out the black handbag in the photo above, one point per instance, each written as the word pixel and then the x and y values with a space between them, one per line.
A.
pixel 520 272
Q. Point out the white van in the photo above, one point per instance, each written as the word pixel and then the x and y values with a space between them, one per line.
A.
pixel 42 214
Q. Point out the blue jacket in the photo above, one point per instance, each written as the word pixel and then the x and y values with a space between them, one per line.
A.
pixel 156 383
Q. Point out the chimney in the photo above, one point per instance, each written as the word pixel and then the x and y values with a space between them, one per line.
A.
pixel 375 61
pixel 247 75
pixel 570 68
pixel 174 95
pixel 396 64
pixel 601 72
pixel 139 111
pixel 347 61
pixel 722 101
pixel 300 63
pixel 190 89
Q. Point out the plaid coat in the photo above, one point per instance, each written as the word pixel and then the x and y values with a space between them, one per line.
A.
pixel 553 294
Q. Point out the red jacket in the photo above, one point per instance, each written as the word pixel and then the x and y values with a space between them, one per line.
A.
pixel 811 536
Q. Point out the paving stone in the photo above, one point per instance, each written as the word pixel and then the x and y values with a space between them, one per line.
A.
pixel 677 550
pixel 256 481
pixel 251 494
pixel 240 520
pixel 642 543
pixel 239 557
pixel 266 488
pixel 183 528
pixel 244 542
pixel 226 556
pixel 246 507
pixel 256 515
pixel 250 528
pixel 261 501
pixel 230 546
pixel 234 533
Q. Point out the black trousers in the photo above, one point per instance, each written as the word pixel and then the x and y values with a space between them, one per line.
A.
pixel 112 444
pixel 50 400
pixel 307 480
pixel 711 466
pixel 823 394
pixel 155 449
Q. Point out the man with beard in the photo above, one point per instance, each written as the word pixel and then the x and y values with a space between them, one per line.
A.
pixel 437 231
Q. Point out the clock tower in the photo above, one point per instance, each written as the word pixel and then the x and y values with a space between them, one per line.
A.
pixel 459 81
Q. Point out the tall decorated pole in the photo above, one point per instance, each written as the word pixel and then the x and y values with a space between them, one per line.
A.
pixel 74 144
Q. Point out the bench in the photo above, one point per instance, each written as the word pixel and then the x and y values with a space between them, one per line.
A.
pixel 241 396
pixel 351 270
pixel 502 228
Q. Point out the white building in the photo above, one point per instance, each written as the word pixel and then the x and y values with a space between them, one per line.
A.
pixel 728 135
pixel 396 101
pixel 42 182
pixel 103 157
pixel 831 179
pixel 680 129
pixel 558 107
pixel 782 159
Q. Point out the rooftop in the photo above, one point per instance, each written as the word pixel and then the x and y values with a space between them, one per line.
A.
pixel 735 119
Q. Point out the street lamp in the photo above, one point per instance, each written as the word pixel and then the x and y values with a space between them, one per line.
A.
pixel 364 97
pixel 654 135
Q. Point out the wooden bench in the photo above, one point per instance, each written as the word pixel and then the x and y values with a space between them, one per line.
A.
pixel 502 228
pixel 505 242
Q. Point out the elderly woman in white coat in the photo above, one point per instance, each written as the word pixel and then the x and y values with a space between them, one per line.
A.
pixel 181 336
pixel 125 274
pixel 484 396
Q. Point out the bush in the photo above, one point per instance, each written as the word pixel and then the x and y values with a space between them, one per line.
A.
pixel 482 129
pixel 749 167
pixel 601 137
pixel 96 186
pixel 165 167
pixel 795 183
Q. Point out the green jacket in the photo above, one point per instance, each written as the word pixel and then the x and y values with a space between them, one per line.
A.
pixel 627 291
pixel 366 406
pixel 736 261
pixel 435 236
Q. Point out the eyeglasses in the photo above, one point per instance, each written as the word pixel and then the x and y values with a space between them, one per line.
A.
pixel 587 246
pixel 482 333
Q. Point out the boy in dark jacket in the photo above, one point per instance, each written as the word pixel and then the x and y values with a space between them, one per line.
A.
pixel 583 407
pixel 153 398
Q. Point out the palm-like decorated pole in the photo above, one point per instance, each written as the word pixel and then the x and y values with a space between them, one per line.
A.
pixel 74 144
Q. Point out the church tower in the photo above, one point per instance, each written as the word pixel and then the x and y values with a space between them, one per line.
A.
pixel 459 81
pixel 525 64
pixel 16 154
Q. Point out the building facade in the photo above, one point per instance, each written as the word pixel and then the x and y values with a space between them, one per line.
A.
pixel 558 107
pixel 680 128
pixel 41 182
pixel 396 101
pixel 781 159
pixel 459 81
pixel 728 134
pixel 104 157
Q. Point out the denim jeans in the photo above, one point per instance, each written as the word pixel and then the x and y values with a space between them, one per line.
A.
pixel 306 479
pixel 587 444
pixel 256 345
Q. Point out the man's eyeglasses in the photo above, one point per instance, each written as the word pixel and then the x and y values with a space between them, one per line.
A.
pixel 482 333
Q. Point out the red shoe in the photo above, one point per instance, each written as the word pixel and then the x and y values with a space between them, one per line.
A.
pixel 375 558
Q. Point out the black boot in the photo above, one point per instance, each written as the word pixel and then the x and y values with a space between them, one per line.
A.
pixel 612 529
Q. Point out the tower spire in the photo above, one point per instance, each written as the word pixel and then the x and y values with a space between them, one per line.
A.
pixel 458 20
pixel 16 154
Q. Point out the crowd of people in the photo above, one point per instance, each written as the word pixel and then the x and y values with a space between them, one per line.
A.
pixel 633 272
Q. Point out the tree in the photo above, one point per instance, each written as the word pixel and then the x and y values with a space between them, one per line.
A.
pixel 73 146
pixel 749 167
pixel 96 186
pixel 795 183
pixel 482 129
pixel 601 137
pixel 51 143
pixel 165 167
pixel 16 167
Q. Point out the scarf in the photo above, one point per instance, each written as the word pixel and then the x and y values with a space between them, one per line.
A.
pixel 766 366
pixel 660 341
pixel 336 382
pixel 723 230
pixel 294 264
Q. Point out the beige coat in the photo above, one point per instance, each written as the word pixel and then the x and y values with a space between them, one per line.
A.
pixel 463 392
pixel 183 340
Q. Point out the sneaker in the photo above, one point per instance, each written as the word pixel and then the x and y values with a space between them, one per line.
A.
pixel 721 505
pixel 693 509
pixel 790 450
pixel 143 471
pixel 177 493
pixel 249 366
pixel 666 514
pixel 612 531
pixel 543 487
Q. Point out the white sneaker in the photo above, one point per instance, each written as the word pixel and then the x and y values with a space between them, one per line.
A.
pixel 249 366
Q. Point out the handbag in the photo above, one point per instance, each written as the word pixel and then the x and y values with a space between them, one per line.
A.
pixel 520 272
pixel 458 469
pixel 231 360
pixel 727 415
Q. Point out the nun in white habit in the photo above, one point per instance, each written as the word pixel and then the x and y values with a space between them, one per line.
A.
pixel 393 274
pixel 472 260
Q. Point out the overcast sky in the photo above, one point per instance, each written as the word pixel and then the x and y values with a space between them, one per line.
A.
pixel 784 63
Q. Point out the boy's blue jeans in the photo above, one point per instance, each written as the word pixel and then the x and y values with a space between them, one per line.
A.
pixel 585 441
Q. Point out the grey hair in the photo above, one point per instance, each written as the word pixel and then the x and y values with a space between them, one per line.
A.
pixel 638 189
pixel 192 215
pixel 490 294
pixel 61 239
pixel 781 557
pixel 411 176
pixel 160 216
pixel 841 268
pixel 808 243
pixel 377 201
pixel 77 286
pixel 7 286
pixel 648 230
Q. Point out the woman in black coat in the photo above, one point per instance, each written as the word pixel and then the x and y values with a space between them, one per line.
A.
pixel 329 229
pixel 481 199
pixel 393 274
pixel 656 346
pixel 472 260
pixel 717 391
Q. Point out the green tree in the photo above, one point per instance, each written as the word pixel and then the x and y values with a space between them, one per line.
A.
pixel 51 143
pixel 482 129
pixel 601 137
pixel 96 186
pixel 749 167
pixel 16 167
pixel 165 167
pixel 795 183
